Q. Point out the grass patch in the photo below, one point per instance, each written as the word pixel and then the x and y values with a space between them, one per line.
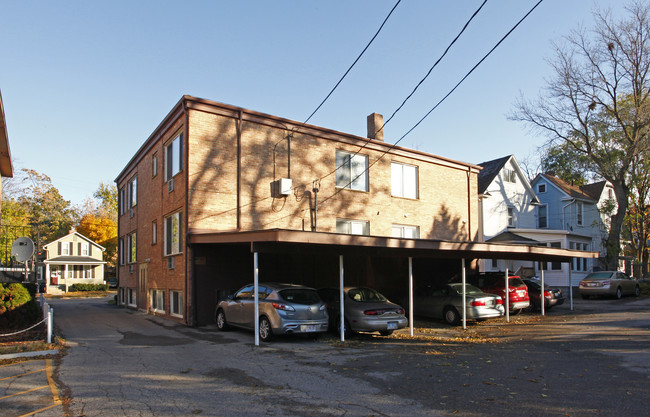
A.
pixel 81 294
pixel 20 347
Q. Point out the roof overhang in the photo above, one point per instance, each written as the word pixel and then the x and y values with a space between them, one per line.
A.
pixel 73 260
pixel 284 241
pixel 6 167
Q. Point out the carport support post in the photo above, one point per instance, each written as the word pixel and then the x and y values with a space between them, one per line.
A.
pixel 256 297
pixel 507 287
pixel 542 296
pixel 341 300
pixel 411 296
pixel 464 280
pixel 570 286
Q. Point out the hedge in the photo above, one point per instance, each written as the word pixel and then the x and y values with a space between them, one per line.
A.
pixel 18 308
pixel 89 287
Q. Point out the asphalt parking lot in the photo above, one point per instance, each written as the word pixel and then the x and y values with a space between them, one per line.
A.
pixel 593 361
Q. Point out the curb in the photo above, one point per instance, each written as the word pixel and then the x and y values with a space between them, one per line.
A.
pixel 29 354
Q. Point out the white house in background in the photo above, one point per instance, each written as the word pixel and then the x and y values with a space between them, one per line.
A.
pixel 73 259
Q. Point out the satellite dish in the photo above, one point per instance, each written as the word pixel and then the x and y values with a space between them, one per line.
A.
pixel 22 249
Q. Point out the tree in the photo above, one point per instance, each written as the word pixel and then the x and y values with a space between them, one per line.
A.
pixel 564 162
pixel 637 221
pixel 98 220
pixel 597 102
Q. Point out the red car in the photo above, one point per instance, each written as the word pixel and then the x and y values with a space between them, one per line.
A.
pixel 495 284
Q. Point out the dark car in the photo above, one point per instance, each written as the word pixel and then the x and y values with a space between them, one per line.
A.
pixel 552 296
pixel 366 310
pixel 518 292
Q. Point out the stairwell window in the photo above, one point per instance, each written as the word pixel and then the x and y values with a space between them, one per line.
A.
pixel 542 217
pixel 579 212
pixel 131 248
pixel 351 171
pixel 404 180
pixel 173 157
pixel 133 192
pixel 173 238
pixel 352 227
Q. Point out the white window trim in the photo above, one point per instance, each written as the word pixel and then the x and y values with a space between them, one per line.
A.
pixel 539 216
pixel 154 296
pixel 351 223
pixel 132 246
pixel 580 213
pixel 346 176
pixel 132 295
pixel 171 304
pixel 399 180
pixel 402 228
pixel 171 250
pixel 133 192
pixel 154 232
pixel 169 172
pixel 512 219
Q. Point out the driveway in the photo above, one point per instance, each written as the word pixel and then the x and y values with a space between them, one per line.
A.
pixel 589 362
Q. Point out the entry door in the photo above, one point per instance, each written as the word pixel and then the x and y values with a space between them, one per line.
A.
pixel 142 286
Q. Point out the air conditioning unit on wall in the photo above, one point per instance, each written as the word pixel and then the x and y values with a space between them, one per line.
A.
pixel 281 187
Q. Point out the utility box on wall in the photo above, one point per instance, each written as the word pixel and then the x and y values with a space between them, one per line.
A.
pixel 281 187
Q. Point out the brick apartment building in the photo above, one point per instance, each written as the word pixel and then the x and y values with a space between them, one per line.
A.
pixel 215 183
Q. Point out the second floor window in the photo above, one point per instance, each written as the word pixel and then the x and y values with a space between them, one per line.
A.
pixel 579 212
pixel 131 248
pixel 133 192
pixel 173 239
pixel 409 232
pixel 511 217
pixel 404 180
pixel 122 201
pixel 173 157
pixel 542 217
pixel 509 175
pixel 351 171
pixel 352 227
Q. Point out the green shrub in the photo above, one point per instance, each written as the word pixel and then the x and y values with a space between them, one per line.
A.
pixel 18 309
pixel 89 287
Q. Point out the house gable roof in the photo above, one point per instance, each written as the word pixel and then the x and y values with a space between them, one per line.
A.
pixel 594 190
pixel 572 191
pixel 492 168
pixel 77 234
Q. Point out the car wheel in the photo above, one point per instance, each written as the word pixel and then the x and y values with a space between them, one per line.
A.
pixel 637 291
pixel 347 329
pixel 619 293
pixel 222 324
pixel 451 316
pixel 266 333
pixel 385 332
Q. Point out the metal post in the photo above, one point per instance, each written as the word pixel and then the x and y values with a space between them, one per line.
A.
pixel 543 298
pixel 341 300
pixel 570 287
pixel 464 281
pixel 50 314
pixel 411 296
pixel 507 300
pixel 257 299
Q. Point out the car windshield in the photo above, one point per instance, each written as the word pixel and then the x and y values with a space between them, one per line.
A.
pixel 599 275
pixel 365 295
pixel 300 296
pixel 534 284
pixel 469 289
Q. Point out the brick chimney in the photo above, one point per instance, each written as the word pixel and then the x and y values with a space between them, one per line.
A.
pixel 376 122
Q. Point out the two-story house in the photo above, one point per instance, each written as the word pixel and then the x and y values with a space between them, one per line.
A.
pixel 73 259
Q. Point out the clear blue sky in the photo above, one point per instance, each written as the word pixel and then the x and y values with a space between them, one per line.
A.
pixel 84 83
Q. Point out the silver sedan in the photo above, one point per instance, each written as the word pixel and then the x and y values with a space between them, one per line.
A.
pixel 609 283
pixel 283 309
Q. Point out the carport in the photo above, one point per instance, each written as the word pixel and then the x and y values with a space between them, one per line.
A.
pixel 280 241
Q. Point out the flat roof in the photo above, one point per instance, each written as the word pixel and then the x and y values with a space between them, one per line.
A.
pixel 280 240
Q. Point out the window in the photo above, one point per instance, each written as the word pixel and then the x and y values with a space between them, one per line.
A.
pixel 509 175
pixel 154 165
pixel 351 171
pixel 352 227
pixel 174 157
pixel 133 192
pixel 404 180
pixel 541 188
pixel 176 303
pixel 556 266
pixel 154 232
pixel 409 232
pixel 132 301
pixel 122 201
pixel 65 248
pixel 120 250
pixel 542 217
pixel 122 293
pixel 132 248
pixel 579 212
pixel 579 264
pixel 85 249
pixel 158 301
pixel 495 264
pixel 511 217
pixel 173 239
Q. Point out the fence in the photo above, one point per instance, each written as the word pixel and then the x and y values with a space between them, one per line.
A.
pixel 48 319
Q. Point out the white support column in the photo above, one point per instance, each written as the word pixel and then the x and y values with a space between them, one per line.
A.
pixel 341 299
pixel 543 298
pixel 507 300
pixel 411 296
pixel 256 298
pixel 570 286
pixel 464 281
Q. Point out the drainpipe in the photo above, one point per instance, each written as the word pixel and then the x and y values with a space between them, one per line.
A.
pixel 469 206
pixel 239 128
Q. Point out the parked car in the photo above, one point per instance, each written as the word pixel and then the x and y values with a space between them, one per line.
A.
pixel 447 303
pixel 366 310
pixel 283 309
pixel 609 283
pixel 518 292
pixel 552 296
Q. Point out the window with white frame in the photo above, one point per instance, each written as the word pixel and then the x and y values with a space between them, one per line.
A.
pixel 352 227
pixel 122 292
pixel 132 300
pixel 122 201
pixel 542 216
pixel 509 175
pixel 85 249
pixel 158 301
pixel 404 180
pixel 579 264
pixel 154 232
pixel 132 248
pixel 404 231
pixel 176 303
pixel 120 251
pixel 511 216
pixel 541 188
pixel 351 171
pixel 66 248
pixel 154 165
pixel 173 237
pixel 173 157
pixel 133 192
pixel 579 212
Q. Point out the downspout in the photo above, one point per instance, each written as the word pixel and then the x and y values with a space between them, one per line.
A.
pixel 563 217
pixel 469 206
pixel 239 128
pixel 189 284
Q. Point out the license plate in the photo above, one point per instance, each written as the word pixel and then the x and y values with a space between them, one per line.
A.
pixel 308 328
pixel 592 284
pixel 392 325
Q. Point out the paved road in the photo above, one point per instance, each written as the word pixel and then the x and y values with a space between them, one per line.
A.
pixel 590 362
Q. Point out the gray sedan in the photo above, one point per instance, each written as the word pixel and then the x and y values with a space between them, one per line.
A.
pixel 609 283
pixel 283 309
pixel 447 303
pixel 366 310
